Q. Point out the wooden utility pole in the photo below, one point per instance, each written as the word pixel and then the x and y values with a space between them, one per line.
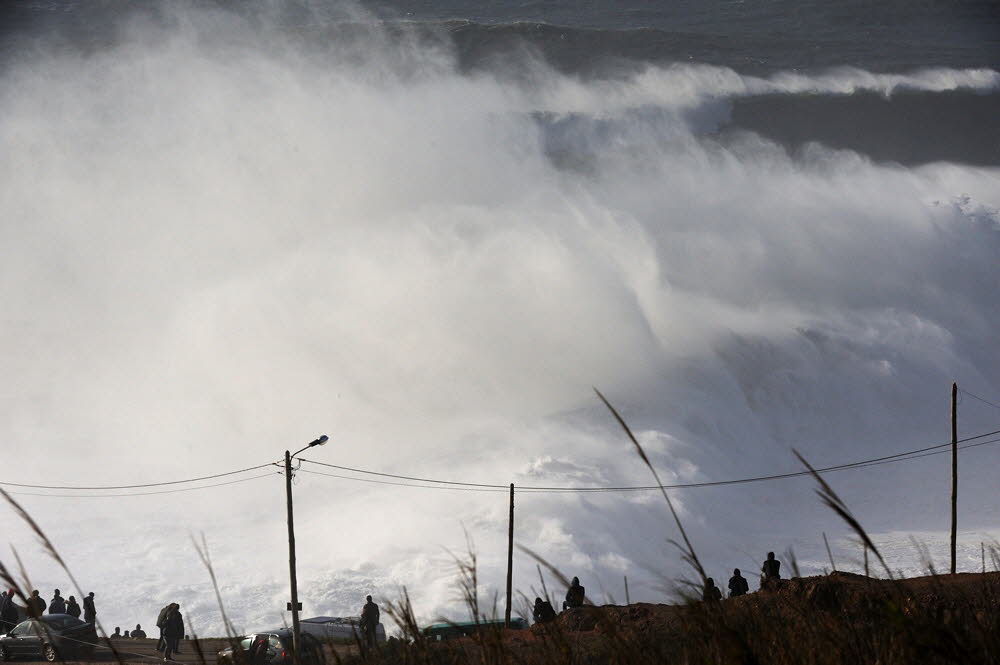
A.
pixel 510 558
pixel 982 551
pixel 954 472
pixel 627 600
pixel 294 605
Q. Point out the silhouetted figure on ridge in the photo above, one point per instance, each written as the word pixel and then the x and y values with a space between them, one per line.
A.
pixel 36 605
pixel 118 632
pixel 543 612
pixel 369 621
pixel 138 633
pixel 738 584
pixel 712 592
pixel 57 605
pixel 770 571
pixel 575 595
pixel 89 609
pixel 73 608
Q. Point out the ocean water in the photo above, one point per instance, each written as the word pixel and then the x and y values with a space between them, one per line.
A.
pixel 429 229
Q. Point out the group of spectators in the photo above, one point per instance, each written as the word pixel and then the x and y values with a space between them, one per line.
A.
pixel 738 584
pixel 543 612
pixel 35 606
pixel 169 621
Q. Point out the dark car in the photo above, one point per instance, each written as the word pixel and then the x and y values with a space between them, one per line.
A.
pixel 279 649
pixel 51 637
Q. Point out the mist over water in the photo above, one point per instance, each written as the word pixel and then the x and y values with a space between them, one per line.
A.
pixel 222 238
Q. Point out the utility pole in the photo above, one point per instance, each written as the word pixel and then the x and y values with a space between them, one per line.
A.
pixel 628 601
pixel 294 605
pixel 510 558
pixel 954 472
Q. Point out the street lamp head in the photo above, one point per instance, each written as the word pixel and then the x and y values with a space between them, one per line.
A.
pixel 320 441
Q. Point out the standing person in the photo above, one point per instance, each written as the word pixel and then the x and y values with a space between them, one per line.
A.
pixel 738 584
pixel 5 600
pixel 575 594
pixel 72 608
pixel 89 610
pixel 138 633
pixel 58 604
pixel 770 571
pixel 173 631
pixel 369 621
pixel 36 605
pixel 161 621
pixel 118 632
pixel 8 612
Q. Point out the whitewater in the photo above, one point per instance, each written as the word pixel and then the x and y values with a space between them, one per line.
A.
pixel 225 235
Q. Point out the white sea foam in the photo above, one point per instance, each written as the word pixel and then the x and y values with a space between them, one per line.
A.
pixel 214 250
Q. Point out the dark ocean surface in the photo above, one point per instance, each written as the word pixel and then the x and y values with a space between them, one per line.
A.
pixel 609 40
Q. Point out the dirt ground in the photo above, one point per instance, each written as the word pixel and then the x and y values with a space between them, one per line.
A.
pixel 144 652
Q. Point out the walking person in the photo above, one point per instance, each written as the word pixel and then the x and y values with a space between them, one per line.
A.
pixel 369 621
pixel 72 608
pixel 173 631
pixel 89 609
pixel 57 605
pixel 161 621
pixel 738 584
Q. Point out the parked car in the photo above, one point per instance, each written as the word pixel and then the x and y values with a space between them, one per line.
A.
pixel 279 649
pixel 51 637
pixel 338 628
pixel 448 630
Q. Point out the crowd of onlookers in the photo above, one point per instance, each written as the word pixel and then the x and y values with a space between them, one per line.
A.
pixel 169 621
pixel 543 612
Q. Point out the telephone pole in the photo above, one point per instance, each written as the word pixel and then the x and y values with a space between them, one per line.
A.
pixel 294 605
pixel 954 472
pixel 510 558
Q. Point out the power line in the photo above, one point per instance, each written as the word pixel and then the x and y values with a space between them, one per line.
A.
pixel 984 401
pixel 911 454
pixel 173 491
pixel 130 487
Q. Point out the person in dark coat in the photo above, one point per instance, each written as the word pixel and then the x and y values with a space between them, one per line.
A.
pixel 543 612
pixel 738 584
pixel 58 604
pixel 36 605
pixel 138 633
pixel 8 612
pixel 72 608
pixel 712 592
pixel 89 609
pixel 575 595
pixel 770 571
pixel 369 621
pixel 118 632
pixel 173 631
pixel 258 650
pixel 5 600
pixel 161 621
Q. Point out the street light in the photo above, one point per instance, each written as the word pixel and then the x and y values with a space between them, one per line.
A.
pixel 294 605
